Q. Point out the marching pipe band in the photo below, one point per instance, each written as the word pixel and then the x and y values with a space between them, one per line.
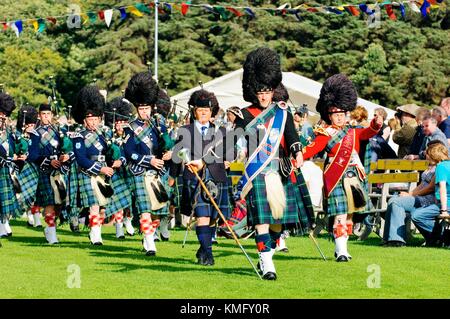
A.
pixel 121 168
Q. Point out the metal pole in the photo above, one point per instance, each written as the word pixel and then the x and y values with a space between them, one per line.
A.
pixel 156 40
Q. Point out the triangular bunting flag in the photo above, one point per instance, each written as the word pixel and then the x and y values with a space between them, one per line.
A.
pixel 5 26
pixel 35 24
pixel 352 10
pixel 41 23
pixel 184 8
pixel 92 16
pixel 250 12
pixel 236 12
pixel 142 8
pixel 52 20
pixel 167 8
pixel 223 13
pixel 101 15
pixel 334 10
pixel 209 8
pixel 134 11
pixel 85 18
pixel 414 7
pixel 17 27
pixel 123 13
pixel 108 16
pixel 390 12
pixel 425 8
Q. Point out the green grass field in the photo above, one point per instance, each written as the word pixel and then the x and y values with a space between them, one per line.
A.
pixel 31 268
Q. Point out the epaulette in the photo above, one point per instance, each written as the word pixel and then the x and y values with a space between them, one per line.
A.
pixel 77 135
pixel 320 130
pixel 34 132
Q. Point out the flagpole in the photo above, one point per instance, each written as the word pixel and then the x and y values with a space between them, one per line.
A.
pixel 156 40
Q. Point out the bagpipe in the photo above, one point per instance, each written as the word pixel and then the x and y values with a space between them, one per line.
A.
pixel 65 147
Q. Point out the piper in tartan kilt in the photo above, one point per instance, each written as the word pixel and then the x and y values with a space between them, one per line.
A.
pixel 142 144
pixel 117 113
pixel 270 141
pixel 29 173
pixel 344 174
pixel 45 153
pixel 9 206
pixel 195 139
pixel 90 147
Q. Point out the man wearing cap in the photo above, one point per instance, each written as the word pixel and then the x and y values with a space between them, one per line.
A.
pixel 141 145
pixel 117 115
pixel 344 174
pixel 45 152
pixel 196 138
pixel 404 136
pixel 90 147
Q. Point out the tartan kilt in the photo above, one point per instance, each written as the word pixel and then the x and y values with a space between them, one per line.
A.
pixel 45 194
pixel 202 208
pixel 9 205
pixel 143 204
pixel 29 180
pixel 122 194
pixel 72 208
pixel 258 207
pixel 336 203
pixel 87 197
pixel 305 206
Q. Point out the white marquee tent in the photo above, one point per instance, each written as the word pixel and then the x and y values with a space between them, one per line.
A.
pixel 228 90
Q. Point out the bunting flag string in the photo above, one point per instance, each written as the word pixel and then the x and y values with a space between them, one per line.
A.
pixel 226 12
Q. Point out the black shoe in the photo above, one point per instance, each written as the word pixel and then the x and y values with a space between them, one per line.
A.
pixel 164 238
pixel 98 243
pixel 74 229
pixel 270 276
pixel 9 234
pixel 29 224
pixel 394 243
pixel 214 241
pixel 121 237
pixel 342 258
pixel 156 239
pixel 206 260
pixel 150 253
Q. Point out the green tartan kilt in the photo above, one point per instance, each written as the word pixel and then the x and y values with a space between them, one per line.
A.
pixel 306 209
pixel 258 207
pixel 87 197
pixel 336 203
pixel 9 205
pixel 122 194
pixel 28 179
pixel 72 208
pixel 45 193
pixel 143 204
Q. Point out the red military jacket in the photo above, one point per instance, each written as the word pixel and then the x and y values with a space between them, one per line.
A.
pixel 323 135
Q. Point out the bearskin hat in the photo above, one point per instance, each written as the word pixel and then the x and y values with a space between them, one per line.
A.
pixel 203 98
pixel 27 113
pixel 89 101
pixel 280 94
pixel 163 105
pixel 142 89
pixel 7 104
pixel 262 71
pixel 338 91
pixel 123 111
